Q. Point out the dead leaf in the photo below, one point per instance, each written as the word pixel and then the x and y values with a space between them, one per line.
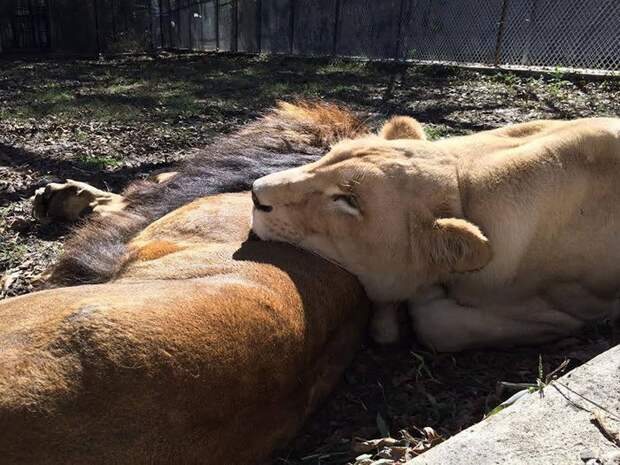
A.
pixel 8 279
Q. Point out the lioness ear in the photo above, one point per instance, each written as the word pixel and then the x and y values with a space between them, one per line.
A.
pixel 402 127
pixel 458 246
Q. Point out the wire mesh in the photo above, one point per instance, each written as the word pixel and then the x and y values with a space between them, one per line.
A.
pixel 563 33
pixel 368 28
pixel 449 30
pixel 581 34
pixel 541 33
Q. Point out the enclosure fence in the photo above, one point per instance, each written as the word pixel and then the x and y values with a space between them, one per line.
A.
pixel 582 34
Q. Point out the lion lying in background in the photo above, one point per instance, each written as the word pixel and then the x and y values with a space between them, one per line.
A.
pixel 505 237
pixel 179 340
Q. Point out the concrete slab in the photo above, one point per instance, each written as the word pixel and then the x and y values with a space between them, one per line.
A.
pixel 555 429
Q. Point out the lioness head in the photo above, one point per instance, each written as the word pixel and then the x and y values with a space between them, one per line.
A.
pixel 385 207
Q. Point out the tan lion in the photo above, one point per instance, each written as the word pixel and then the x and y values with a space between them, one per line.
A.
pixel 167 336
pixel 504 237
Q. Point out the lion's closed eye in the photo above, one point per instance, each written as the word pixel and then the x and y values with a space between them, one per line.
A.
pixel 348 203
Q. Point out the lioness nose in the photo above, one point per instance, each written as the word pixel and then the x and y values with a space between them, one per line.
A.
pixel 258 205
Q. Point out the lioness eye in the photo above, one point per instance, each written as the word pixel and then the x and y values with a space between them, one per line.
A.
pixel 349 200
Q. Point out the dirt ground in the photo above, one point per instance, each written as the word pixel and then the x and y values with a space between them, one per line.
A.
pixel 109 122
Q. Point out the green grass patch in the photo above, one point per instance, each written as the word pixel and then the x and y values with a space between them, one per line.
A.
pixel 506 79
pixel 434 132
pixel 99 161
pixel 12 251
pixel 341 66
pixel 12 254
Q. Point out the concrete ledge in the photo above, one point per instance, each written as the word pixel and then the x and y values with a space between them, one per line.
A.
pixel 555 429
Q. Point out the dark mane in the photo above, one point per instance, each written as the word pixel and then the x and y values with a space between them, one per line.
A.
pixel 290 135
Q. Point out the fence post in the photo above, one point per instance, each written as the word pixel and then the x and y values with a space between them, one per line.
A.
pixel 235 26
pixel 166 6
pixel 202 41
pixel 50 24
pixel 96 6
pixel 217 25
pixel 500 33
pixel 170 24
pixel 259 24
pixel 525 58
pixel 161 25
pixel 113 20
pixel 291 25
pixel 33 25
pixel 151 27
pixel 336 27
pixel 189 23
pixel 399 32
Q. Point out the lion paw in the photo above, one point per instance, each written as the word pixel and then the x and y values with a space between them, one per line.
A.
pixel 67 202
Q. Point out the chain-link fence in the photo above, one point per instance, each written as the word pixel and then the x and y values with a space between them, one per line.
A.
pixel 566 33
pixel 580 34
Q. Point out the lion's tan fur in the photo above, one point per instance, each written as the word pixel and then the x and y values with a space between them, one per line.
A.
pixel 517 225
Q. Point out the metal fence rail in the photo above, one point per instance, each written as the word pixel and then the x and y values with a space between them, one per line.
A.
pixel 581 34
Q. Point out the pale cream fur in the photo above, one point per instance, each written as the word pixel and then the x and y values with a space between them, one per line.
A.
pixel 499 238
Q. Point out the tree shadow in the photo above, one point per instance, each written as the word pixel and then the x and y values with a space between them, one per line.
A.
pixel 19 158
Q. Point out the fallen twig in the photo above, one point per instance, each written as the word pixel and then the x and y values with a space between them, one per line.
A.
pixel 600 422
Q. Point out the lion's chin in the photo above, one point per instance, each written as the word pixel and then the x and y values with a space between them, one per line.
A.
pixel 262 229
pixel 259 227
pixel 269 227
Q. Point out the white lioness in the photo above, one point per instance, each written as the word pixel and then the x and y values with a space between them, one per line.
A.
pixel 505 237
